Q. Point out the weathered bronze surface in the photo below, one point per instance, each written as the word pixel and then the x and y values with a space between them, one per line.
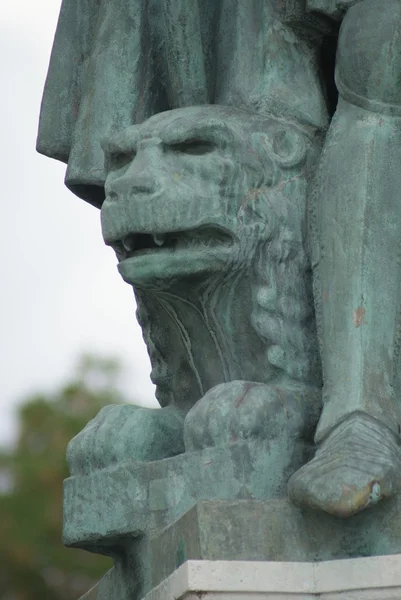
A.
pixel 246 160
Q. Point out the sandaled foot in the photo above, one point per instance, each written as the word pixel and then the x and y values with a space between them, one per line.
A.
pixel 355 467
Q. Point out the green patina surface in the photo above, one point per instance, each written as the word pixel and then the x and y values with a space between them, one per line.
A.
pixel 258 221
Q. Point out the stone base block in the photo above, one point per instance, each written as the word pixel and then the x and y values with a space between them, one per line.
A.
pixel 269 534
pixel 272 531
pixel 377 578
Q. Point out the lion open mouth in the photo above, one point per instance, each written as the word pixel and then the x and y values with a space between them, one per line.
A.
pixel 135 244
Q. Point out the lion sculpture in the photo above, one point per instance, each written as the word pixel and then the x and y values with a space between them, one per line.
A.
pixel 206 210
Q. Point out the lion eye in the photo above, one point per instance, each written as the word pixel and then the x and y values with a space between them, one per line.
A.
pixel 194 147
pixel 118 160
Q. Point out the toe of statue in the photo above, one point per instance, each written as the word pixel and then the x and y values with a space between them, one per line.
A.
pixel 357 465
pixel 126 433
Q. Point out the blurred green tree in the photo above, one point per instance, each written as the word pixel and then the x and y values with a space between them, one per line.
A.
pixel 34 565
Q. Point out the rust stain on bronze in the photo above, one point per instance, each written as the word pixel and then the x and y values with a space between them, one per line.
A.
pixel 358 316
pixel 283 399
pixel 325 296
pixel 241 398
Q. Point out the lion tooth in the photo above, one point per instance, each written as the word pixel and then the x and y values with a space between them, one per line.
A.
pixel 128 243
pixel 159 239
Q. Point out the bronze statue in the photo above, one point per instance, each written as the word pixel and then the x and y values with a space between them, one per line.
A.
pixel 243 160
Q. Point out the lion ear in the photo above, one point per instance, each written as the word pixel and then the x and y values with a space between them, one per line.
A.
pixel 267 164
pixel 284 145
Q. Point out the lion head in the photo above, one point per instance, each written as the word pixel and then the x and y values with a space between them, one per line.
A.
pixel 206 210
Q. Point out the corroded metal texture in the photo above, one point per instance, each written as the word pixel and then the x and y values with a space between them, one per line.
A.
pixel 259 223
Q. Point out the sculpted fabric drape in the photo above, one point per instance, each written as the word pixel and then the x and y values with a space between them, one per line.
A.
pixel 101 77
pixel 117 62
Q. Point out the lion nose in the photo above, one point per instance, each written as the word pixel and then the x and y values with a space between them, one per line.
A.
pixel 143 184
pixel 143 174
pixel 132 185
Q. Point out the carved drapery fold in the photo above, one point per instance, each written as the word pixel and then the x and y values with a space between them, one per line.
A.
pixel 115 63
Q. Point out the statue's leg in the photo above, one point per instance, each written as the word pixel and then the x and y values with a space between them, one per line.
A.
pixel 356 217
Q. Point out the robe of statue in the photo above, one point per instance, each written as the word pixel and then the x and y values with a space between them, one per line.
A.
pixel 116 62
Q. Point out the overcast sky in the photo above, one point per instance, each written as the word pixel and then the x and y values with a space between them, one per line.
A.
pixel 60 290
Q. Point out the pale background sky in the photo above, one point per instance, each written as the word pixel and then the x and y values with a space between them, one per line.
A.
pixel 60 292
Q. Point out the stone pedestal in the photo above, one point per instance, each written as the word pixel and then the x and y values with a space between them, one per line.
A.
pixel 377 578
pixel 275 539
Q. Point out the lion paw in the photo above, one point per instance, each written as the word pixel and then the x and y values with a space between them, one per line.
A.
pixel 242 410
pixel 123 433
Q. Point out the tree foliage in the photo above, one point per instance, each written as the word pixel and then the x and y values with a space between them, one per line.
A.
pixel 34 565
